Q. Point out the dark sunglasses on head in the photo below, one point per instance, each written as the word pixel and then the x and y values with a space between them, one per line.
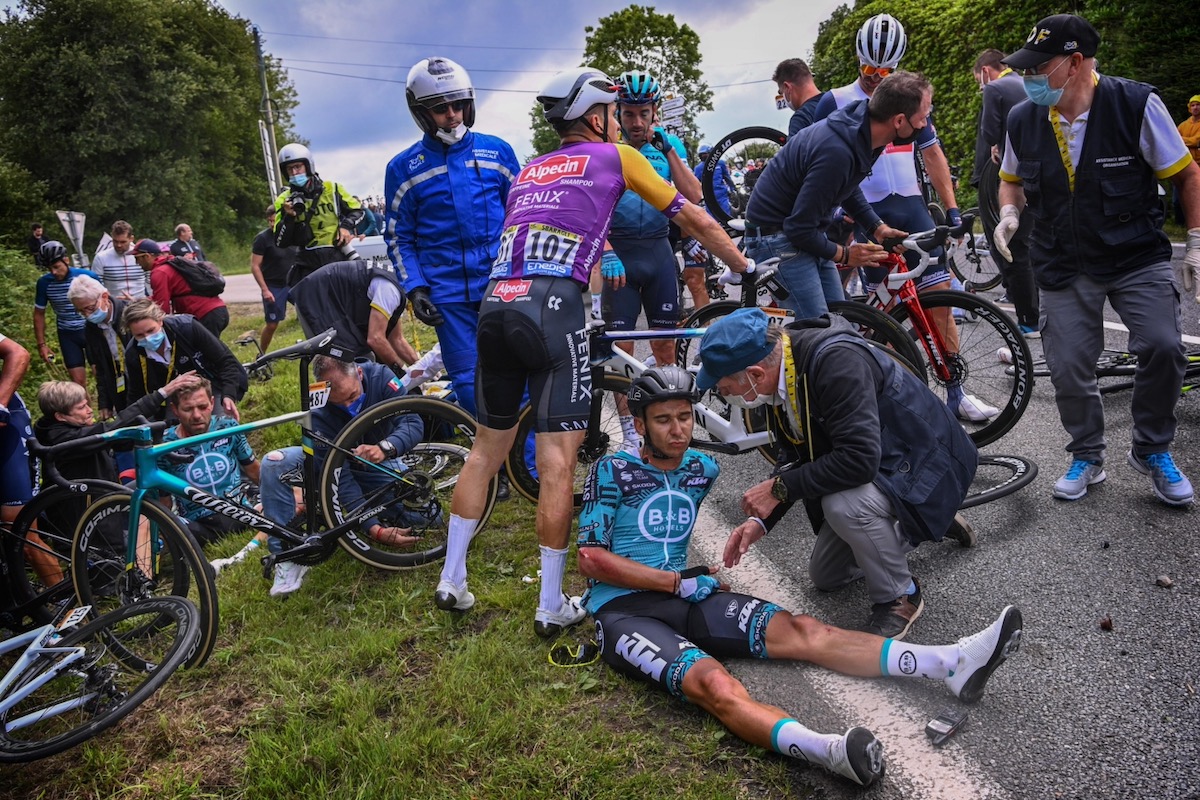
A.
pixel 444 108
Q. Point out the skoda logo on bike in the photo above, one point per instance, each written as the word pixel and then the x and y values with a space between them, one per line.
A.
pixel 666 516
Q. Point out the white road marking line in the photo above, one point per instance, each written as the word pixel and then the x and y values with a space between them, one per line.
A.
pixel 922 771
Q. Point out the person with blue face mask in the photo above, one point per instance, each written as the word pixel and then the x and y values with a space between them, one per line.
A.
pixel 164 346
pixel 319 217
pixel 1097 236
pixel 104 341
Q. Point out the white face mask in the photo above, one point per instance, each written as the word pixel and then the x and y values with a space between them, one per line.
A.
pixel 740 401
pixel 454 135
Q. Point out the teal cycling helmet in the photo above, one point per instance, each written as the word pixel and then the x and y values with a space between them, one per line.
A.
pixel 638 88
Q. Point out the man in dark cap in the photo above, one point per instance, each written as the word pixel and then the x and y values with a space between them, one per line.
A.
pixel 879 461
pixel 173 292
pixel 1097 235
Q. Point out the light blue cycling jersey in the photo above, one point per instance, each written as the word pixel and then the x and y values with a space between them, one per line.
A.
pixel 659 513
pixel 634 217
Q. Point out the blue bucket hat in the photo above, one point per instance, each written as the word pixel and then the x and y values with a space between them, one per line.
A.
pixel 731 344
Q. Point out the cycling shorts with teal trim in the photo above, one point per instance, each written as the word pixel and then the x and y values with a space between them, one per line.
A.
pixel 657 637
pixel 651 284
pixel 16 468
pixel 531 332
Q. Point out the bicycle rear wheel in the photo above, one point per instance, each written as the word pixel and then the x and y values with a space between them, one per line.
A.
pixel 603 438
pixel 103 579
pixel 975 266
pixel 93 693
pixel 767 136
pixel 999 476
pixel 419 500
pixel 977 367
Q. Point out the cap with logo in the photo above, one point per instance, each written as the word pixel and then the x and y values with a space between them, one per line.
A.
pixel 1059 35
pixel 731 344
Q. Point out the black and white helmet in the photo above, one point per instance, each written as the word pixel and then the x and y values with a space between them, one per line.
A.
pixel 881 41
pixel 661 383
pixel 568 95
pixel 433 81
pixel 50 252
pixel 296 152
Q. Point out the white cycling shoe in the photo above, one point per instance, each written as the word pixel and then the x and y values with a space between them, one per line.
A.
pixel 547 624
pixel 971 409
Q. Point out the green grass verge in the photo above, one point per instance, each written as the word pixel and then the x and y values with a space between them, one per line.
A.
pixel 357 687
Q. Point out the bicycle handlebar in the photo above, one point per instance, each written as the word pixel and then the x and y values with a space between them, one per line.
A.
pixel 86 444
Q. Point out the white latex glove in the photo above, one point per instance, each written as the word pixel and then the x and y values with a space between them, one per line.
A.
pixel 1006 229
pixel 731 278
pixel 1190 273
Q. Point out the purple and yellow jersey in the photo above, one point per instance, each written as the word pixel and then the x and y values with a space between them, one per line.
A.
pixel 561 205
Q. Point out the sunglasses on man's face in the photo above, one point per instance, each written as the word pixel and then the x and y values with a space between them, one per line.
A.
pixel 444 108
pixel 868 70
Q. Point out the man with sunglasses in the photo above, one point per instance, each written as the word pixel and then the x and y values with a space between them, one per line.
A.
pixel 1084 158
pixel 445 212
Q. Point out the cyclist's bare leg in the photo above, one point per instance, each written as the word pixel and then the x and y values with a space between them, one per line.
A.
pixel 557 453
pixel 694 278
pixel 485 460
pixel 46 566
pixel 268 332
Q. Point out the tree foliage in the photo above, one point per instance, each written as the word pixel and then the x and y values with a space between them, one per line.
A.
pixel 1140 39
pixel 138 109
pixel 638 37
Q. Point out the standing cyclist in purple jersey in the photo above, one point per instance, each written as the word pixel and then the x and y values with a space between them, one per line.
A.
pixel 532 321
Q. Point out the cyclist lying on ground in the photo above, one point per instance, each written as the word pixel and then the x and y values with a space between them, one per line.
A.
pixel 664 624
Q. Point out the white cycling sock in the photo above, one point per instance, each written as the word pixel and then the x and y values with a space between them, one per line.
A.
pixel 905 660
pixel 596 305
pixel 458 539
pixel 791 738
pixel 554 563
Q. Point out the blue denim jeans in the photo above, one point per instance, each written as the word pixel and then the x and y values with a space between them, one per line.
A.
pixel 812 282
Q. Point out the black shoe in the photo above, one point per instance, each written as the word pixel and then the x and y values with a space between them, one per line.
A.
pixel 892 620
pixel 962 531
pixel 502 490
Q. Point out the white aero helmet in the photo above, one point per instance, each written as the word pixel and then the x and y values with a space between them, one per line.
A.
pixel 433 81
pixel 881 41
pixel 568 95
pixel 296 152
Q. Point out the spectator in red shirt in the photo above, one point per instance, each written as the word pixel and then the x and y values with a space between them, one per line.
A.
pixel 173 294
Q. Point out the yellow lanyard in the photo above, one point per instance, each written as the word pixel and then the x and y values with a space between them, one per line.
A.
pixel 793 401
pixel 1063 150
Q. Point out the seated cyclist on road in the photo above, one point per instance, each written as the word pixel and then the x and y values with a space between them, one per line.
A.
pixel 665 624
pixel 353 387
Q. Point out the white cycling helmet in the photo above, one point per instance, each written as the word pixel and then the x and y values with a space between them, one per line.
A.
pixel 881 41
pixel 433 81
pixel 568 95
pixel 295 152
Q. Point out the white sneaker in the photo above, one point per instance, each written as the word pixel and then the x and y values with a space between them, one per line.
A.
pixel 288 577
pixel 551 623
pixel 980 654
pixel 972 409
pixel 450 597
pixel 858 756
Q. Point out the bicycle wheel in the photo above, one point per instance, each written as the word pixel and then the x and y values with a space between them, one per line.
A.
pixel 772 138
pixel 92 693
pixel 974 266
pixel 103 581
pixel 977 368
pixel 421 499
pixel 38 553
pixel 999 476
pixel 881 329
pixel 604 438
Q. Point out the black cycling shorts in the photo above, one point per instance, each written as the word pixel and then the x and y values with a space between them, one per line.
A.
pixel 531 332
pixel 651 284
pixel 657 637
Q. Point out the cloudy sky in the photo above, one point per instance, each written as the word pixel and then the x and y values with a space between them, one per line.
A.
pixel 348 61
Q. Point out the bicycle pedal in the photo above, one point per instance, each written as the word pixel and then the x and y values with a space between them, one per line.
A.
pixel 268 563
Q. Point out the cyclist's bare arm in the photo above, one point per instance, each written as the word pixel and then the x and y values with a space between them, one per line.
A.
pixel 695 222
pixel 939 174
pixel 684 179
pixel 16 362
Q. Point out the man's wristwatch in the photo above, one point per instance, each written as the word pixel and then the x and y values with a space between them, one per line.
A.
pixel 389 449
pixel 779 489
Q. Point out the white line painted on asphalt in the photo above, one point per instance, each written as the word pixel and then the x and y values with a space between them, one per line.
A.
pixel 921 771
pixel 1116 326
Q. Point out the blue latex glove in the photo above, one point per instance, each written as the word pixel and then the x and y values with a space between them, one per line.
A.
pixel 698 588
pixel 611 266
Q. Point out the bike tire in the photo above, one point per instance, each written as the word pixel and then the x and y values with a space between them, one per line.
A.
pixel 977 365
pixel 1016 472
pixel 103 581
pixel 978 274
pixel 434 463
pixel 606 440
pixel 718 151
pixel 108 689
pixel 45 524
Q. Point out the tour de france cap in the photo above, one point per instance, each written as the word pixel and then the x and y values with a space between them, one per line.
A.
pixel 731 344
pixel 1059 35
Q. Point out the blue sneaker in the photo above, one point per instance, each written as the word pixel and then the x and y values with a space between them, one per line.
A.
pixel 1171 485
pixel 1030 332
pixel 1082 474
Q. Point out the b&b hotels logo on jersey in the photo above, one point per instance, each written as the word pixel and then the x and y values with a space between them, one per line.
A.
pixel 554 168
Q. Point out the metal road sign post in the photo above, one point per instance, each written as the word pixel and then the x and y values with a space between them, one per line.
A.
pixel 73 222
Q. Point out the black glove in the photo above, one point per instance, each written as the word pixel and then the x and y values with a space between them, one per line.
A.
pixel 659 141
pixel 423 307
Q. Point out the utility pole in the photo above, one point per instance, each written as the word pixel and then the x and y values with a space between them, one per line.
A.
pixel 267 126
